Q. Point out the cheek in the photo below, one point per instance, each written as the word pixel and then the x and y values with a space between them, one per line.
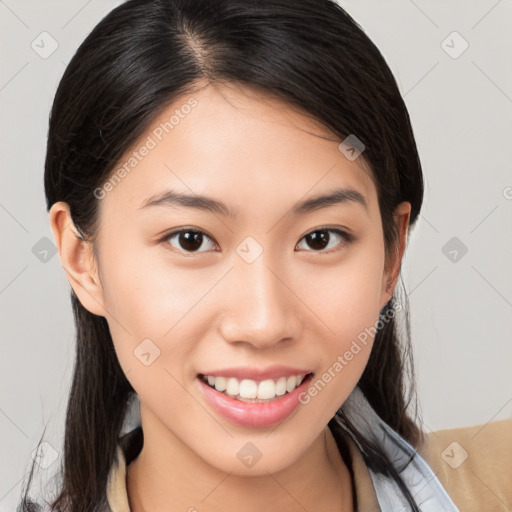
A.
pixel 146 291
pixel 347 299
pixel 155 308
pixel 349 306
pixel 347 296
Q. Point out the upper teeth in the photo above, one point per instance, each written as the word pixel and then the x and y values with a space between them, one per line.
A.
pixel 248 388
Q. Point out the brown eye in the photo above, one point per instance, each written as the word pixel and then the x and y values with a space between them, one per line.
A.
pixel 322 239
pixel 187 240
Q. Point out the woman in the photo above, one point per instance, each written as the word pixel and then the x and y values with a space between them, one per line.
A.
pixel 231 185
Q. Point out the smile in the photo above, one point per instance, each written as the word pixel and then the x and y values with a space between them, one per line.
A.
pixel 249 390
pixel 253 403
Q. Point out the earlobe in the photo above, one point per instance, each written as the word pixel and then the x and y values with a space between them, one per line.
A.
pixel 390 277
pixel 77 259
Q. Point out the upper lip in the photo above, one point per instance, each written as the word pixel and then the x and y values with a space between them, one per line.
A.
pixel 248 372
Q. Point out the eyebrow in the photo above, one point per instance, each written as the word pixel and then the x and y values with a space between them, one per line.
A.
pixel 172 199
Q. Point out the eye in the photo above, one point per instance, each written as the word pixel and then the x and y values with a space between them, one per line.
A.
pixel 321 239
pixel 190 240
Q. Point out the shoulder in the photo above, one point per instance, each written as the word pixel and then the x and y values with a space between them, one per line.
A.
pixel 473 464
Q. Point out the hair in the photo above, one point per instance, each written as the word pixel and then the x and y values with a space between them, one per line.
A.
pixel 140 58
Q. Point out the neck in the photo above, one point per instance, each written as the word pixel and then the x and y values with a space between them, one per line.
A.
pixel 168 472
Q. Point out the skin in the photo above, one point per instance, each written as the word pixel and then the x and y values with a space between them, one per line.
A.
pixel 295 304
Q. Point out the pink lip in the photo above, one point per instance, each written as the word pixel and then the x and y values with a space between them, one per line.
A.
pixel 254 415
pixel 248 372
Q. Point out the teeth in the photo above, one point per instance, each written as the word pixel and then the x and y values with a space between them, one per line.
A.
pixel 219 383
pixel 250 389
pixel 281 386
pixel 232 386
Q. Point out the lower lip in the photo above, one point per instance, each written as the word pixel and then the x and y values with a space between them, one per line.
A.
pixel 254 415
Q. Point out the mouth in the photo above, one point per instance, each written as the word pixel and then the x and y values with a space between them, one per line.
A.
pixel 255 391
pixel 242 402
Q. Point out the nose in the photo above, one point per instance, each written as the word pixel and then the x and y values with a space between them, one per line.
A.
pixel 258 306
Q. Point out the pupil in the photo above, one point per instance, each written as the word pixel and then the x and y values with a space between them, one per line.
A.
pixel 317 241
pixel 190 240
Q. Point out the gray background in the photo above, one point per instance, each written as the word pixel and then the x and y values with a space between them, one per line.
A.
pixel 461 304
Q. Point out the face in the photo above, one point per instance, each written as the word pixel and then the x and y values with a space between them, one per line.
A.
pixel 254 289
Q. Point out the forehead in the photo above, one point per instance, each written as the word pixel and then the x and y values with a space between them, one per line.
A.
pixel 239 144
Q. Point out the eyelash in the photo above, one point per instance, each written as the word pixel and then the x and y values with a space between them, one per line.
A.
pixel 347 238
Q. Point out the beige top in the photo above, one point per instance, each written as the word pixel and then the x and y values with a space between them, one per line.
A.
pixel 473 464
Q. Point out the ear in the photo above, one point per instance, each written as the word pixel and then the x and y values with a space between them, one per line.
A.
pixel 77 259
pixel 392 267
